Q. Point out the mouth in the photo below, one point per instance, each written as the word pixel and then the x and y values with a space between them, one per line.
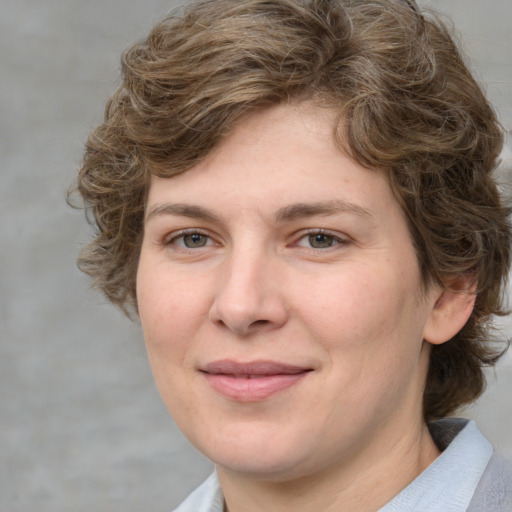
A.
pixel 253 381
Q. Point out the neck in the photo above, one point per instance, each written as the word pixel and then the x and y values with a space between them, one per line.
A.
pixel 364 482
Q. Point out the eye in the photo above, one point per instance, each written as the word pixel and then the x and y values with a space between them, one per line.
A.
pixel 319 240
pixel 191 240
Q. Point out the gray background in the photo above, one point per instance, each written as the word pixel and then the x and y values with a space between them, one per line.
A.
pixel 81 425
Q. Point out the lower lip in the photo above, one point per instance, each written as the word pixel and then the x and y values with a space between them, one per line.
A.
pixel 252 389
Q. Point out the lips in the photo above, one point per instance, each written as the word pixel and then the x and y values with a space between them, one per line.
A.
pixel 252 381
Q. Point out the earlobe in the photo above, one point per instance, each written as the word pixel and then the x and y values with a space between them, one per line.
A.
pixel 450 312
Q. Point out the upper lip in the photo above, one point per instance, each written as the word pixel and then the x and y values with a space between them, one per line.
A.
pixel 262 367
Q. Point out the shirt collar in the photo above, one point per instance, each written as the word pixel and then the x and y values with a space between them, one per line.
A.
pixel 449 483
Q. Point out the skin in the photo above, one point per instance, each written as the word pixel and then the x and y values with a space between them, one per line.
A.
pixel 296 254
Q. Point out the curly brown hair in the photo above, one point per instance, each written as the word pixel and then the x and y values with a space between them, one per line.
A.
pixel 407 104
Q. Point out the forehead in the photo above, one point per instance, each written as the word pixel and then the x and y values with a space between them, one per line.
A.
pixel 287 154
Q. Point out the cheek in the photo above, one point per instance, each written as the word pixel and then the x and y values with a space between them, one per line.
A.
pixel 167 317
pixel 169 309
pixel 368 313
pixel 165 295
pixel 370 331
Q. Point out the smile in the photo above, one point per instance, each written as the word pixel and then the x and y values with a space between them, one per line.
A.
pixel 252 382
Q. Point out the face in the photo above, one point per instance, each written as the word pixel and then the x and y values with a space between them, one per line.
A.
pixel 281 301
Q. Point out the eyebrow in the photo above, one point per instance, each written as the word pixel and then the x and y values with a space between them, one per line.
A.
pixel 321 208
pixel 182 210
pixel 287 213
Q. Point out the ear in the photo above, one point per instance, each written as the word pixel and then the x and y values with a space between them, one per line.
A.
pixel 451 310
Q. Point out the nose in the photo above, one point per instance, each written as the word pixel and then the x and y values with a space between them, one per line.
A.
pixel 248 297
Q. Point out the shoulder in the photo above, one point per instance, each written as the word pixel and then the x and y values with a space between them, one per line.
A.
pixel 494 491
pixel 206 498
pixel 493 487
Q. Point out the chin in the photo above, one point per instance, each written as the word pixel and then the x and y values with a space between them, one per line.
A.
pixel 275 470
pixel 267 457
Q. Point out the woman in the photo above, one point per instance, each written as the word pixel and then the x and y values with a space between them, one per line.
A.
pixel 297 200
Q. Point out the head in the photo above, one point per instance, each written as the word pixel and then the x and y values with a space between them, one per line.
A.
pixel 403 103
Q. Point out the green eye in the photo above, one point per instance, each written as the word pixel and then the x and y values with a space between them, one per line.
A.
pixel 321 241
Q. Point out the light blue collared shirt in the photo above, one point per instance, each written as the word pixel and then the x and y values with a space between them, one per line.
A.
pixel 448 484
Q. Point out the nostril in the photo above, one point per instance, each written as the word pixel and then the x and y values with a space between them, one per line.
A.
pixel 260 322
pixel 246 329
